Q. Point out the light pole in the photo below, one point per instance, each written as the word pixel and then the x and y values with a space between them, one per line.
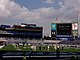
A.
pixel 75 26
pixel 78 21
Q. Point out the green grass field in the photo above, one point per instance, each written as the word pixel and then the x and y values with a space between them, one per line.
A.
pixel 38 48
pixel 70 49
pixel 8 48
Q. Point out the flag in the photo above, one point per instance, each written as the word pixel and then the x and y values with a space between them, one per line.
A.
pixel 56 18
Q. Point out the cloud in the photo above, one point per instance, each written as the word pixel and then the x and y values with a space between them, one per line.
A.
pixel 4 13
pixel 44 16
pixel 48 1
pixel 9 8
pixel 72 3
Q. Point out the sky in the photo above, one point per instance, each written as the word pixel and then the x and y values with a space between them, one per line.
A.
pixel 40 12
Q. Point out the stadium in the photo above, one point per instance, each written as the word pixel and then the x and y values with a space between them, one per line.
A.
pixel 25 40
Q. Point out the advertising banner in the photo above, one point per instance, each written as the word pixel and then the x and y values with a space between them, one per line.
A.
pixel 75 26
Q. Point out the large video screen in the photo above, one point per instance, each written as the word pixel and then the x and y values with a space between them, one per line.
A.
pixel 64 29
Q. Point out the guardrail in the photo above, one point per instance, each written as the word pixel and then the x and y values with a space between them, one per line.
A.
pixel 37 54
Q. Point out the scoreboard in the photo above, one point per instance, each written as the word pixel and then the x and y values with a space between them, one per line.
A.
pixel 64 29
pixel 61 31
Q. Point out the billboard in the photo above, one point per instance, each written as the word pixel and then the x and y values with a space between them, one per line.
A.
pixel 74 26
pixel 75 29
pixel 53 26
